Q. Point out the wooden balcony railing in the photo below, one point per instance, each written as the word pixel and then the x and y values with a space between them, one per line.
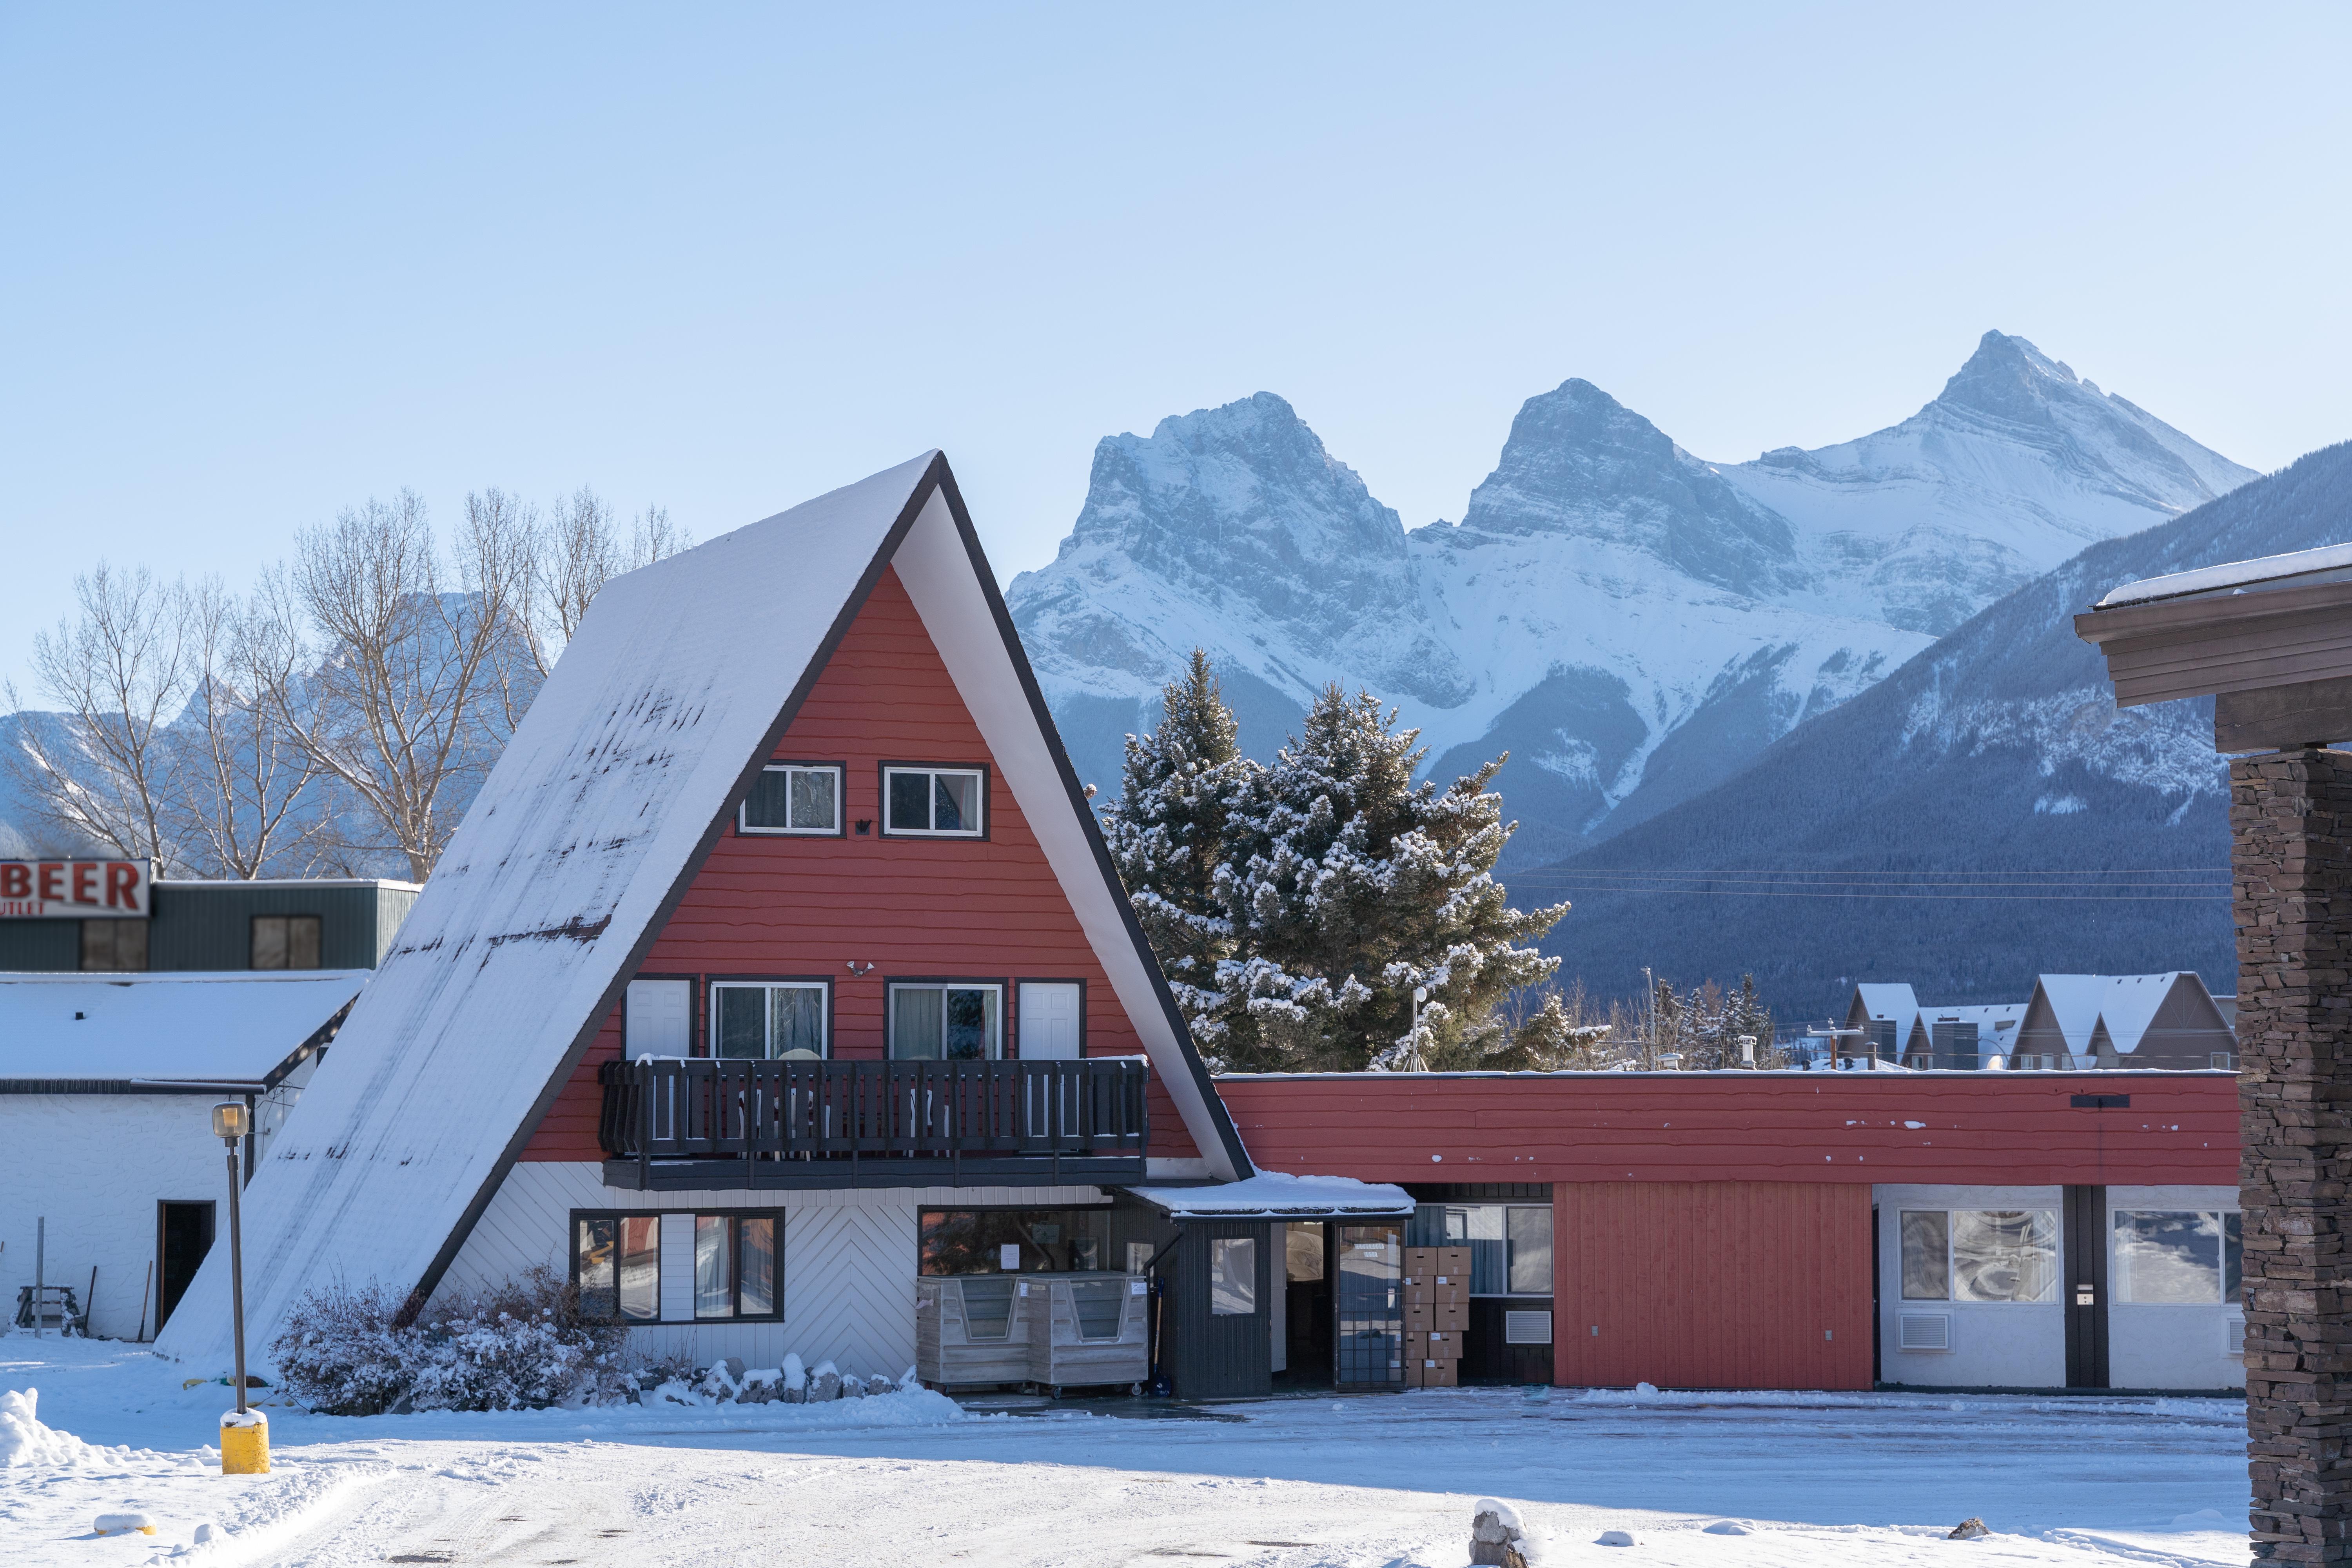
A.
pixel 787 1123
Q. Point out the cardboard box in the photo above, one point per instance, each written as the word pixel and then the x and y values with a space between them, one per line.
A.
pixel 1428 1317
pixel 1427 1374
pixel 1443 1344
pixel 1423 1261
pixel 1437 1287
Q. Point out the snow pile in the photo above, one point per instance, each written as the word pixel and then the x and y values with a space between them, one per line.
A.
pixel 26 1444
pixel 728 1381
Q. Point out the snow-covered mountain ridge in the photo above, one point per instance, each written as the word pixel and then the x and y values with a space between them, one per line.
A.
pixel 1633 622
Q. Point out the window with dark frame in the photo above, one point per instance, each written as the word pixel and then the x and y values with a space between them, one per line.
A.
pixel 738 1262
pixel 770 1020
pixel 790 799
pixel 1012 1241
pixel 946 1021
pixel 117 946
pixel 934 802
pixel 285 941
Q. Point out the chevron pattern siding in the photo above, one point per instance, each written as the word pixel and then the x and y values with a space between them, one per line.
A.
pixel 849 1261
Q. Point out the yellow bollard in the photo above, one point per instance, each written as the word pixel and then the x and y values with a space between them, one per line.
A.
pixel 245 1443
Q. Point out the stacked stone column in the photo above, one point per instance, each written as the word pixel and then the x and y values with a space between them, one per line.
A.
pixel 2291 829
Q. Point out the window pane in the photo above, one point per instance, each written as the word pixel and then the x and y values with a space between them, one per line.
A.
pixel 592 1246
pixel 2233 1258
pixel 742 1021
pixel 955 799
pixel 1048 1241
pixel 269 941
pixel 1233 1277
pixel 2004 1255
pixel 714 1265
pixel 1530 1240
pixel 302 941
pixel 2167 1258
pixel 769 799
pixel 1302 1250
pixel 799 1016
pixel 641 1266
pixel 915 1023
pixel 758 1258
pixel 1927 1256
pixel 910 802
pixel 971 1023
pixel 814 792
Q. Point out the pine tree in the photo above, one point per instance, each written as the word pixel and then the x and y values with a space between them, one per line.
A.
pixel 1167 837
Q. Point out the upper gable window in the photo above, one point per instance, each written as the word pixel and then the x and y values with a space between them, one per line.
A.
pixel 934 802
pixel 794 797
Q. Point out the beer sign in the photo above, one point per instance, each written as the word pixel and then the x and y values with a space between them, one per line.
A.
pixel 74 890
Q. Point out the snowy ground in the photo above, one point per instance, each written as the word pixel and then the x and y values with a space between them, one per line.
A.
pixel 1823 1481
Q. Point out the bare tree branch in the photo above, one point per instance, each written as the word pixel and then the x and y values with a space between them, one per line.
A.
pixel 242 777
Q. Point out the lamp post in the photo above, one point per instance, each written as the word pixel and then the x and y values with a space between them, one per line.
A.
pixel 1420 995
pixel 245 1436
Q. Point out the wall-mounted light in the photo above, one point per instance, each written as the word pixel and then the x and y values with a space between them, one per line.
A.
pixel 860 970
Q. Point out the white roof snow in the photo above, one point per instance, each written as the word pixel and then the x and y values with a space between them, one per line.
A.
pixel 2127 1003
pixel 1273 1194
pixel 1893 1002
pixel 665 701
pixel 2264 570
pixel 1988 1017
pixel 165 1028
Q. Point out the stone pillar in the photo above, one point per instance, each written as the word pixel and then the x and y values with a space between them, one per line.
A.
pixel 2291 833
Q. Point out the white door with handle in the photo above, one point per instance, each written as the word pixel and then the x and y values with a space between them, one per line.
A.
pixel 1049 1019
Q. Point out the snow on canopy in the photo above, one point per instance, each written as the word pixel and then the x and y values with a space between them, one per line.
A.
pixel 1275 1193
pixel 2268 570
pixel 187 1028
pixel 676 686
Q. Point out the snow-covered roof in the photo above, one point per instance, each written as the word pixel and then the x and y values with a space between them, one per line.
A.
pixel 1994 1020
pixel 1273 1195
pixel 185 1028
pixel 2299 565
pixel 2126 1003
pixel 672 694
pixel 1893 1003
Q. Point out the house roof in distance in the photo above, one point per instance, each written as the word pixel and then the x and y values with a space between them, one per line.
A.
pixel 678 686
pixel 163 1030
pixel 2126 1003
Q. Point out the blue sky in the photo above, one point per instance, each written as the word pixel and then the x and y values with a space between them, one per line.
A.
pixel 260 264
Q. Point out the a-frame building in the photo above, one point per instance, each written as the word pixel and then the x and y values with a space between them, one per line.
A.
pixel 779 952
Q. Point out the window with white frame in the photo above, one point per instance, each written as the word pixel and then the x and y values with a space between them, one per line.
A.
pixel 1979 1255
pixel 934 802
pixel 768 1019
pixel 946 1020
pixel 2177 1258
pixel 794 797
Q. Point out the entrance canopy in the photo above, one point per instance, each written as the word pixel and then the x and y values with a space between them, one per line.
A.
pixel 1272 1194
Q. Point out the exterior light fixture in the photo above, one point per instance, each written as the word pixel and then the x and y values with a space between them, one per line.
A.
pixel 244 1433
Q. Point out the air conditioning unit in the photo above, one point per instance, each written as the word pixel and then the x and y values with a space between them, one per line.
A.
pixel 1923 1331
pixel 2233 1337
pixel 1527 1328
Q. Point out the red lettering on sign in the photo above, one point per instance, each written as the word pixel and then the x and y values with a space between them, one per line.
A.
pixel 53 879
pixel 16 880
pixel 122 886
pixel 85 882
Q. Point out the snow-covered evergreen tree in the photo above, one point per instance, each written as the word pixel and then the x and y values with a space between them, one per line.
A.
pixel 1297 907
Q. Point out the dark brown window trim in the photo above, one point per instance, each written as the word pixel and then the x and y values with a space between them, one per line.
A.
pixel 840 802
pixel 571 1254
pixel 882 799
pixel 1004 1010
pixel 709 1021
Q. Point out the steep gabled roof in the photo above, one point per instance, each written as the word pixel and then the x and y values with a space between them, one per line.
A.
pixel 1893 1002
pixel 679 683
pixel 2124 1004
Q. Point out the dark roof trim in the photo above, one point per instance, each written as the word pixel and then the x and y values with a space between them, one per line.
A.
pixel 1226 1135
pixel 691 867
pixel 127 1086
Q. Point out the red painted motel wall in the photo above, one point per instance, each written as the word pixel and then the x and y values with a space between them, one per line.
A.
pixel 2000 1128
pixel 1711 1284
pixel 933 908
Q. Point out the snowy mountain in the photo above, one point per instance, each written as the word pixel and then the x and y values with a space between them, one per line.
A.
pixel 1632 623
pixel 1999 754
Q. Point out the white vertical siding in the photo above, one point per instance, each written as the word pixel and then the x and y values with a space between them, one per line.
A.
pixel 2172 1345
pixel 1994 1344
pixel 849 1261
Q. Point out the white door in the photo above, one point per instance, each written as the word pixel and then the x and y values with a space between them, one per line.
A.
pixel 655 1020
pixel 1049 1019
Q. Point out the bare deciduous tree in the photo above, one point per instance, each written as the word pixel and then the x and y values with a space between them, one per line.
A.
pixel 576 553
pixel 120 667
pixel 403 708
pixel 243 786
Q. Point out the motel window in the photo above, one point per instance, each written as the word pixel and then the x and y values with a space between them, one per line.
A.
pixel 2164 1258
pixel 1232 1275
pixel 946 1021
pixel 934 803
pixel 1510 1243
pixel 736 1262
pixel 735 1266
pixel 1979 1255
pixel 1014 1241
pixel 769 1019
pixel 116 945
pixel 617 1264
pixel 794 797
pixel 285 941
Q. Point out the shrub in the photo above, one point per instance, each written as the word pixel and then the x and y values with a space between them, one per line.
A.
pixel 521 1346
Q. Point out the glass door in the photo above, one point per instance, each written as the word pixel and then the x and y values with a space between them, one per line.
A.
pixel 1369 1303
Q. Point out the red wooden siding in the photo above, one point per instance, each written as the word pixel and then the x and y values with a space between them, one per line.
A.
pixel 1711 1284
pixel 2001 1128
pixel 935 908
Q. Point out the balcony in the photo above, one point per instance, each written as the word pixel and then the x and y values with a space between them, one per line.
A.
pixel 671 1123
